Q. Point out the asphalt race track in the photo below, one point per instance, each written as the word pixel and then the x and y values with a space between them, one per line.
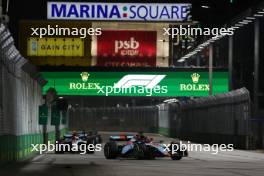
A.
pixel 244 163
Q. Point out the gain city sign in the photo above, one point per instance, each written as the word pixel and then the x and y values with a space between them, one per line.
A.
pixel 118 11
pixel 55 46
pixel 164 84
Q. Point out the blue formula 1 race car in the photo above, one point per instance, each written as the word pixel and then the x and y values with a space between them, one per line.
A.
pixel 140 147
pixel 78 138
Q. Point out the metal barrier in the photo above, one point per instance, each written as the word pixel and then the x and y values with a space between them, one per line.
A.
pixel 219 119
pixel 132 119
pixel 20 96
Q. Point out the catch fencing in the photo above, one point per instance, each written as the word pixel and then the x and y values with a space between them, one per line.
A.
pixel 132 119
pixel 219 119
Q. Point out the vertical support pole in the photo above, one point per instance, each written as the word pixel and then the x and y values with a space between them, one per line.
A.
pixel 256 64
pixel 57 131
pixel 198 60
pixel 185 63
pixel 1 98
pixel 1 10
pixel 256 80
pixel 211 69
pixel 172 53
pixel 170 49
pixel 230 61
pixel 44 127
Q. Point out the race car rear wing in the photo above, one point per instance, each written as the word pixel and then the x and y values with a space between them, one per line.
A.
pixel 121 137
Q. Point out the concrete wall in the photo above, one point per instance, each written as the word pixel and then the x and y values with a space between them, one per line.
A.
pixel 20 97
pixel 19 128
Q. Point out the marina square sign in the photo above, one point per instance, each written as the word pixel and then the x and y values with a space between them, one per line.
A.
pixel 118 11
pixel 163 84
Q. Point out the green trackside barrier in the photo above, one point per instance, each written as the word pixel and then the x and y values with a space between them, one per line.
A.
pixel 13 148
pixel 51 136
pixel 63 131
pixel 164 131
pixel 17 147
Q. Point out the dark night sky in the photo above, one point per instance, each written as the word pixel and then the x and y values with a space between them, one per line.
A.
pixel 219 13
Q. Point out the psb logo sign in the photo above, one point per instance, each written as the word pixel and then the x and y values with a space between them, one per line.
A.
pixel 119 11
pixel 148 81
pixel 129 48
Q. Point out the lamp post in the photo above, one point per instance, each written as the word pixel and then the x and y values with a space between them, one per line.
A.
pixel 256 64
pixel 211 69
pixel 230 61
pixel 256 79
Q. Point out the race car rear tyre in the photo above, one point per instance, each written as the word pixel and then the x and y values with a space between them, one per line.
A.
pixel 176 157
pixel 150 153
pixel 178 153
pixel 140 150
pixel 111 150
pixel 59 152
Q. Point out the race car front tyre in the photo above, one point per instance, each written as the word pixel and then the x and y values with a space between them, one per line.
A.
pixel 90 141
pixel 111 150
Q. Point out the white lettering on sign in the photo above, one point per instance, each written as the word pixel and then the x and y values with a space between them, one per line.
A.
pixel 127 48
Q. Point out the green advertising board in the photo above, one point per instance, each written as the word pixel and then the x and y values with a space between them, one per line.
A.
pixel 164 84
pixel 43 114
